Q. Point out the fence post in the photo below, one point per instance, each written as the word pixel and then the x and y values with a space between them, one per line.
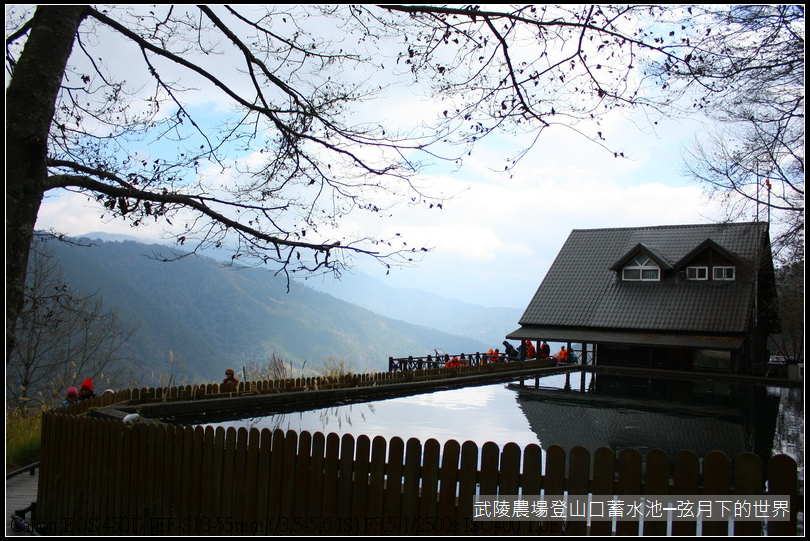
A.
pixel 783 480
pixel 687 473
pixel 579 468
pixel 629 483
pixel 748 480
pixel 716 481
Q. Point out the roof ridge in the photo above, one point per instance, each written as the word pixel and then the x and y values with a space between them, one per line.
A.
pixel 673 226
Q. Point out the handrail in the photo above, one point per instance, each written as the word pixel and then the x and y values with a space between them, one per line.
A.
pixel 31 468
pixel 397 364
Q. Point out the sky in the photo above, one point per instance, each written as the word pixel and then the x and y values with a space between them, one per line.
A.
pixel 493 241
pixel 495 237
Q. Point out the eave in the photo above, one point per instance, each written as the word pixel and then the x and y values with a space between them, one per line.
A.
pixel 653 339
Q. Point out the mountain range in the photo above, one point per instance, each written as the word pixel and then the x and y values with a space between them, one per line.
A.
pixel 206 315
pixel 485 324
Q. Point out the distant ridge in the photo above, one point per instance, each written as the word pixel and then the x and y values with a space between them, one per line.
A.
pixel 483 324
pixel 210 316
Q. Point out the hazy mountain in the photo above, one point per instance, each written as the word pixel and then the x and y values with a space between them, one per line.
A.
pixel 488 325
pixel 210 316
pixel 484 324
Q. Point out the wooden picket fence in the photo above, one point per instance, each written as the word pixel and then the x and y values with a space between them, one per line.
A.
pixel 104 477
pixel 301 384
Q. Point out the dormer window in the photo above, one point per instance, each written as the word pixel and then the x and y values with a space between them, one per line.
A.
pixel 641 269
pixel 723 273
pixel 697 273
pixel 709 261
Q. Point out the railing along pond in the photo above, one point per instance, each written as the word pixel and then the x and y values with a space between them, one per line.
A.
pixel 290 385
pixel 102 476
pixel 443 360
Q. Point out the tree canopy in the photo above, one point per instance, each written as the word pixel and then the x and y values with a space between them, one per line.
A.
pixel 261 128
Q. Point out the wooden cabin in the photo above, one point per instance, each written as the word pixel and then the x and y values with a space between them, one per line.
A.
pixel 685 297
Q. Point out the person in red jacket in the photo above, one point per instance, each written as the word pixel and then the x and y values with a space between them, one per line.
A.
pixel 531 353
pixel 229 377
pixel 545 350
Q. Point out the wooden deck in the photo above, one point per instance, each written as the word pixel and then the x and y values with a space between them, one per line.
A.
pixel 21 491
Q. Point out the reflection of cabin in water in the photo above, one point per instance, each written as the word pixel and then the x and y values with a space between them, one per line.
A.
pixel 619 411
pixel 677 297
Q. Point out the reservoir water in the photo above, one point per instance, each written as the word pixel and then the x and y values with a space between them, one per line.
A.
pixel 592 410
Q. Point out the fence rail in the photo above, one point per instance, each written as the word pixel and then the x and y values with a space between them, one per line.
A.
pixel 294 385
pixel 110 478
pixel 442 360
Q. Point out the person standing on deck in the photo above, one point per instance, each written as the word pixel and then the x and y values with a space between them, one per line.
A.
pixel 86 390
pixel 229 377
pixel 71 398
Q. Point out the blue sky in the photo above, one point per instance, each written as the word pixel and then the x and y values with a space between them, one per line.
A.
pixel 497 234
pixel 494 239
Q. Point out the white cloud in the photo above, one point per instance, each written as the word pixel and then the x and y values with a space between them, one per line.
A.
pixel 496 237
pixel 75 214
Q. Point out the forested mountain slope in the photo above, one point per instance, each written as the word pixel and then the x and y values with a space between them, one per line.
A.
pixel 208 316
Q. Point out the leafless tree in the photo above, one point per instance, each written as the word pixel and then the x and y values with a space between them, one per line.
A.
pixel 63 337
pixel 530 67
pixel 749 61
pixel 102 102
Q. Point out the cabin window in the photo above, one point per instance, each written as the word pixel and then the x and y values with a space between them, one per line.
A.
pixel 641 269
pixel 723 273
pixel 712 359
pixel 697 273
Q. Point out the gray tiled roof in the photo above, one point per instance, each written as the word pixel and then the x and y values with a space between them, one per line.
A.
pixel 580 289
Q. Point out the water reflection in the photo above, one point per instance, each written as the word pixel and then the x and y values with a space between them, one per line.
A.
pixel 789 433
pixel 480 414
pixel 592 410
pixel 617 411
pixel 338 419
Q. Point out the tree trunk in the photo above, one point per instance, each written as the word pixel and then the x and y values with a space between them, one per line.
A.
pixel 30 103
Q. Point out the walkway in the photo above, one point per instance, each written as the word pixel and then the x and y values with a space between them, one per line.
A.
pixel 21 491
pixel 227 408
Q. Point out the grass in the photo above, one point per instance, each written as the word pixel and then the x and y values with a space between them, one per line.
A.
pixel 23 444
pixel 335 368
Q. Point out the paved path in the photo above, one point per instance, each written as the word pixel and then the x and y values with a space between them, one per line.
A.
pixel 21 490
